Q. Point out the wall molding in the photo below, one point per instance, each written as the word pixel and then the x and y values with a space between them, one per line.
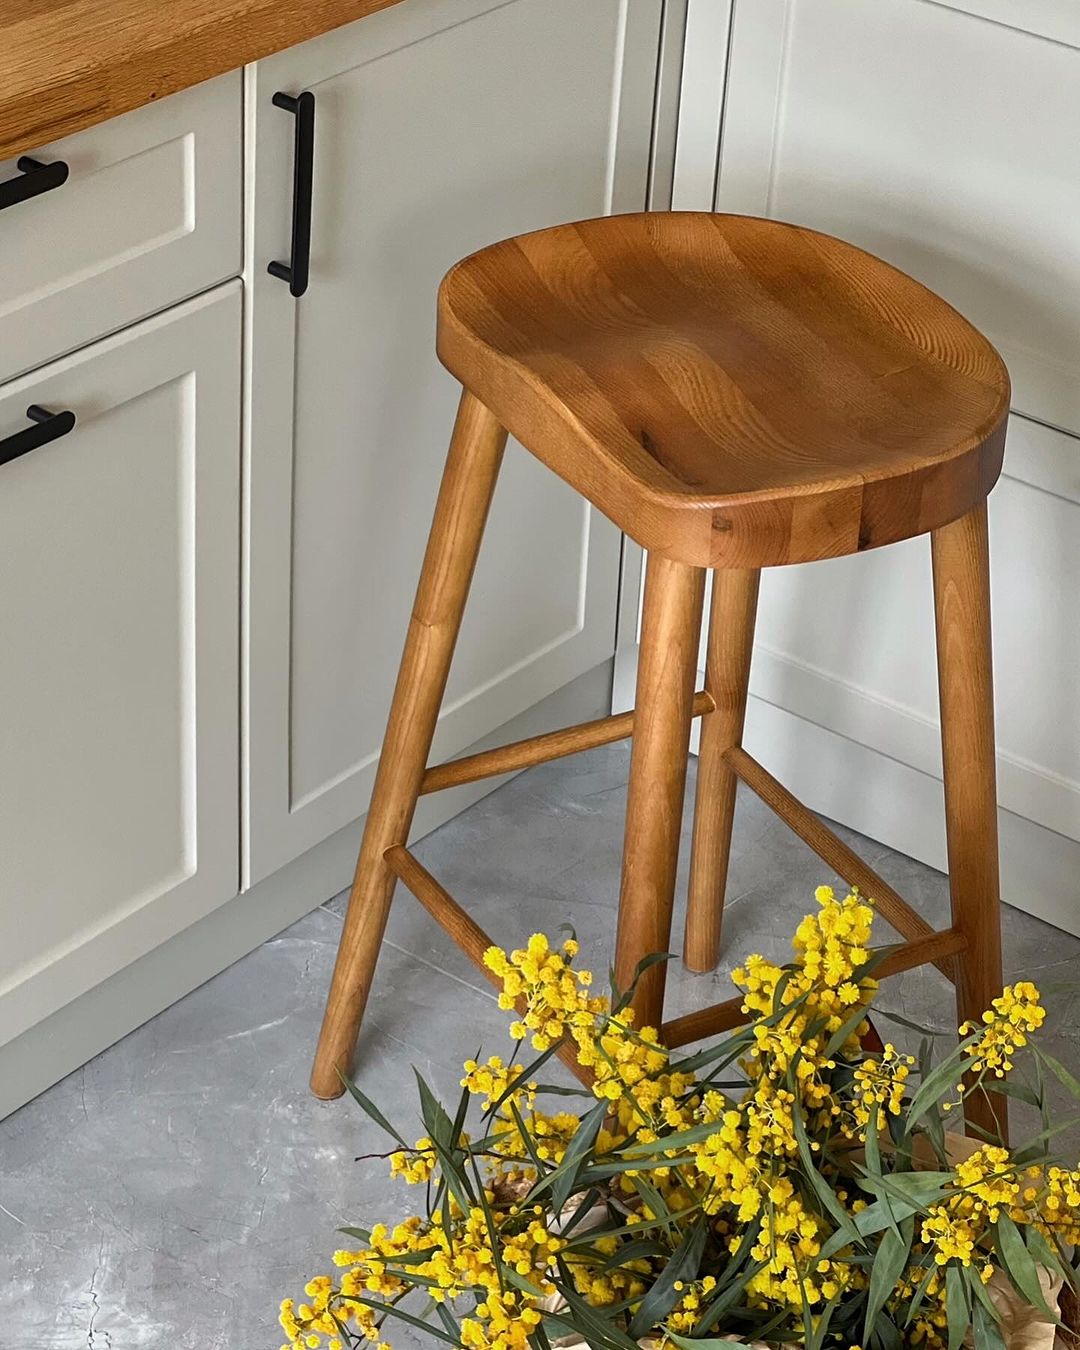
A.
pixel 904 808
pixel 1055 20
pixel 858 714
pixel 893 802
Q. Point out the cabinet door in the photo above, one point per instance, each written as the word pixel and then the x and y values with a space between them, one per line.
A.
pixel 441 125
pixel 961 164
pixel 944 138
pixel 962 168
pixel 119 548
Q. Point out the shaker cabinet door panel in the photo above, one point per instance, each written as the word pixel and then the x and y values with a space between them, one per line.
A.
pixel 119 547
pixel 440 127
pixel 943 138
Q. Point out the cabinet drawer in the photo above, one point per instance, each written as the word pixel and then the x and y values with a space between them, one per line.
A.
pixel 119 548
pixel 150 213
pixel 441 126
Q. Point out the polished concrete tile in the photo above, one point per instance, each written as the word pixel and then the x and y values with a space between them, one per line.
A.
pixel 169 1193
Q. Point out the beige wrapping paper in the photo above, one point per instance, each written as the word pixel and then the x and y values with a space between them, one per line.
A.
pixel 1024 1327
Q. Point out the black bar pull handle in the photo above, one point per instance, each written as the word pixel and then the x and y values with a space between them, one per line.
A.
pixel 34 179
pixel 48 426
pixel 295 272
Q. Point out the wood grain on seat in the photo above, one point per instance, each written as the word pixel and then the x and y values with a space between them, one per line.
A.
pixel 730 391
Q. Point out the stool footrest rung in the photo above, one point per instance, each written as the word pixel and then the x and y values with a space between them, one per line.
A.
pixel 469 936
pixel 702 1022
pixel 931 950
pixel 718 1017
pixel 539 749
pixel 832 849
pixel 934 948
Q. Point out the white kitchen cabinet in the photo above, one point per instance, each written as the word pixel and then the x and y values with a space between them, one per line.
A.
pixel 940 140
pixel 440 126
pixel 148 214
pixel 119 553
pixel 943 137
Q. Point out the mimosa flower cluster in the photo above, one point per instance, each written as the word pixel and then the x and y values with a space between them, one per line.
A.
pixel 781 1183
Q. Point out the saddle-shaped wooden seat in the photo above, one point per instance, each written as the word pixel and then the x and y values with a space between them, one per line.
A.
pixel 732 392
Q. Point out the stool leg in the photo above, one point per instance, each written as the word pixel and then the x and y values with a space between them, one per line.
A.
pixel 727 674
pixel 667 667
pixel 965 678
pixel 472 467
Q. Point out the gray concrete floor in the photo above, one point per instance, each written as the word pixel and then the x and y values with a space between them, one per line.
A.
pixel 173 1190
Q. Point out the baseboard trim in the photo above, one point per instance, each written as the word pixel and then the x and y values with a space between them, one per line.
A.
pixel 1025 789
pixel 75 1033
pixel 904 808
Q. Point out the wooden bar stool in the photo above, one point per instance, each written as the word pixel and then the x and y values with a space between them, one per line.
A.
pixel 734 394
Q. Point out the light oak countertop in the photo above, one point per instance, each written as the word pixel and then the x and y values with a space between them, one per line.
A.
pixel 67 64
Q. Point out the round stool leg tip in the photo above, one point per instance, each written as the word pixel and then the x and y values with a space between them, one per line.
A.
pixel 326 1087
pixel 701 962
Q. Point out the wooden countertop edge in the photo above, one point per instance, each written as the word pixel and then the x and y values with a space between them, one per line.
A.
pixel 69 64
